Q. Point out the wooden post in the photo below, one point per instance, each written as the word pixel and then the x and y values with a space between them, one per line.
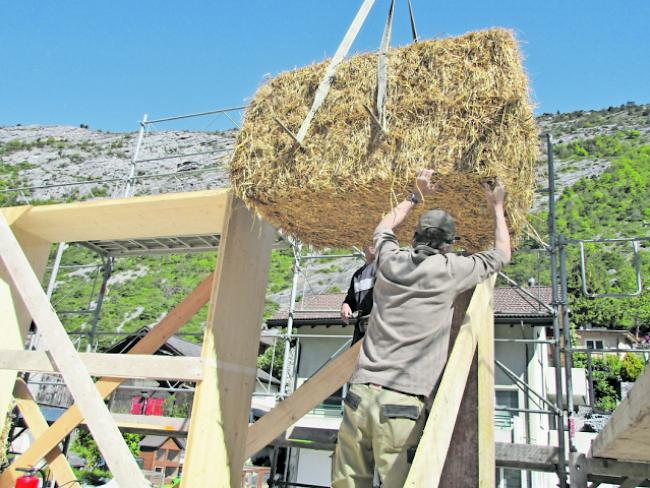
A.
pixel 12 339
pixel 63 354
pixel 432 467
pixel 486 445
pixel 155 338
pixel 38 425
pixel 15 318
pixel 219 422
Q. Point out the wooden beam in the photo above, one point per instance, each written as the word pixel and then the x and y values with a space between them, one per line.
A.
pixel 15 317
pixel 37 425
pixel 106 435
pixel 462 456
pixel 11 339
pixel 112 365
pixel 150 343
pixel 626 435
pixel 307 396
pixel 486 451
pixel 215 445
pixel 429 461
pixel 527 456
pixel 171 214
pixel 152 424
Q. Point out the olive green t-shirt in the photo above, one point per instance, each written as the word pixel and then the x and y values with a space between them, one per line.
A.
pixel 406 342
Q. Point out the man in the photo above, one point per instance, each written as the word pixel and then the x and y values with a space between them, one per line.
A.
pixel 405 347
pixel 359 297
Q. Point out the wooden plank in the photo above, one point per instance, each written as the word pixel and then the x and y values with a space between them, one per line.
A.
pixel 112 365
pixel 215 446
pixel 462 456
pixel 429 461
pixel 11 339
pixel 626 435
pixel 527 456
pixel 152 424
pixel 106 435
pixel 307 396
pixel 37 425
pixel 486 451
pixel 150 343
pixel 175 214
pixel 37 252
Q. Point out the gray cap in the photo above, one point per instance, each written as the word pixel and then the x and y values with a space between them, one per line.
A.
pixel 437 219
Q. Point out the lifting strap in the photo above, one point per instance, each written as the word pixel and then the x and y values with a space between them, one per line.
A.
pixel 382 67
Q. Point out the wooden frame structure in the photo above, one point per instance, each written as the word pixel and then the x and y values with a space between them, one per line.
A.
pixel 219 437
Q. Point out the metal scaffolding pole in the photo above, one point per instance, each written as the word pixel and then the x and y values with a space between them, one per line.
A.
pixel 297 248
pixel 130 182
pixel 561 467
pixel 568 355
pixel 106 274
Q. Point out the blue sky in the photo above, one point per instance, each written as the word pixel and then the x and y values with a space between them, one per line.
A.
pixel 106 63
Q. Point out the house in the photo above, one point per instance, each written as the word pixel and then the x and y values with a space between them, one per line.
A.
pixel 521 351
pixel 162 456
pixel 598 338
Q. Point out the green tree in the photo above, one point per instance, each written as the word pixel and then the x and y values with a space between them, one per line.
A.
pixel 85 447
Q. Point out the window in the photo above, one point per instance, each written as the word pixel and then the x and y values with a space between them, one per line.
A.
pixel 172 454
pixel 506 399
pixel 170 471
pixel 594 344
pixel 161 453
pixel 508 478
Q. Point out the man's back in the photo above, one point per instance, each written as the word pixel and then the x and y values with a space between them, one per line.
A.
pixel 408 334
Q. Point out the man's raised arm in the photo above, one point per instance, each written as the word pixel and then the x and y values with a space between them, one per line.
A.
pixel 421 188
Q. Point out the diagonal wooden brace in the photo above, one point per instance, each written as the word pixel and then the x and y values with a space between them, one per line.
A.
pixel 37 424
pixel 155 338
pixel 311 393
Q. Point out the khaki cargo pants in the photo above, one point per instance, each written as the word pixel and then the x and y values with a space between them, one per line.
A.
pixel 381 429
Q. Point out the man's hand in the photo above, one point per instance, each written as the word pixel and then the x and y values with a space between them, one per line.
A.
pixel 346 313
pixel 496 197
pixel 423 186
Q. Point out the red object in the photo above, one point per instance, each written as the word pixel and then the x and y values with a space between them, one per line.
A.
pixel 154 406
pixel 136 405
pixel 27 481
pixel 158 406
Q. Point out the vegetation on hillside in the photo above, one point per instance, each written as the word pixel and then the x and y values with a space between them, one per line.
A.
pixel 611 205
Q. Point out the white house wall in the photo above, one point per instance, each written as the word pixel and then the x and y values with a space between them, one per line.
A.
pixel 314 352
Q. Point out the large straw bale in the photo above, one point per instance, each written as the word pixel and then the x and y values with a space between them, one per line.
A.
pixel 459 105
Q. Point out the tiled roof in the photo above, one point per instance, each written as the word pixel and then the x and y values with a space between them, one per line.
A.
pixel 510 302
pixel 514 302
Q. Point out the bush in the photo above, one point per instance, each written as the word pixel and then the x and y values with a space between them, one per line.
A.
pixel 631 367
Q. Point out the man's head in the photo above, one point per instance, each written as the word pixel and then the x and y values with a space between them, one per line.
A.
pixel 369 253
pixel 436 229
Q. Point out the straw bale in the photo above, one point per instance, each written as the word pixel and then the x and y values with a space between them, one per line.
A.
pixel 458 105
